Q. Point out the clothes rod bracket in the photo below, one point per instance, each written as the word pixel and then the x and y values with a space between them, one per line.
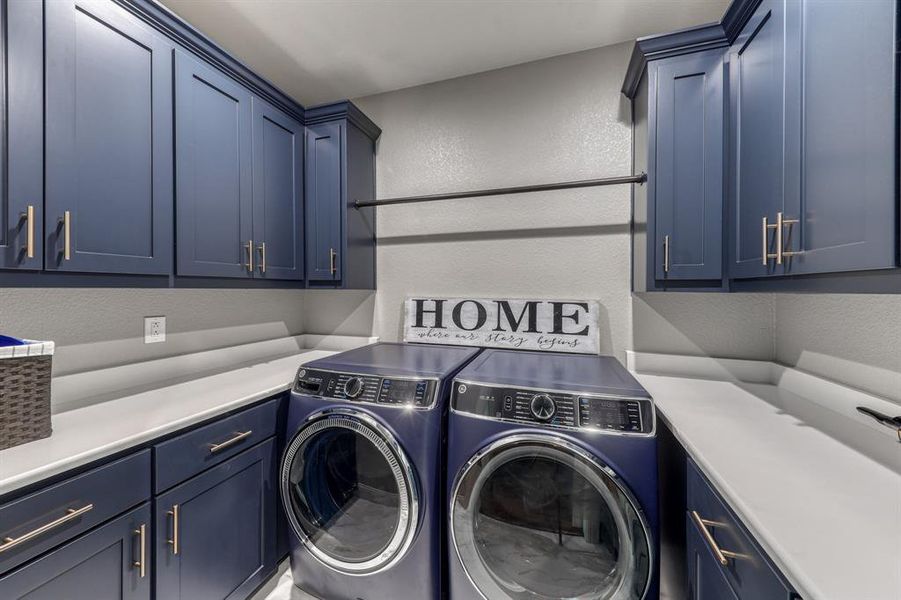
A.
pixel 546 187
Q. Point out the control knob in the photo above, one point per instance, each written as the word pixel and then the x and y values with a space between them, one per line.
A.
pixel 353 387
pixel 543 407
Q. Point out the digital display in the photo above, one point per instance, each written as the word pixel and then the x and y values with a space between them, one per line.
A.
pixel 403 391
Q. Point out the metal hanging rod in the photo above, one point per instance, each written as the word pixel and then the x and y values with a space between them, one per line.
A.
pixel 546 187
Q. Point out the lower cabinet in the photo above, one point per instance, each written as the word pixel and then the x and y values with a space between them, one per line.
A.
pixel 215 533
pixel 209 533
pixel 109 563
pixel 706 580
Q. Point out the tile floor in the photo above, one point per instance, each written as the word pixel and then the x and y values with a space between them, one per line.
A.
pixel 281 587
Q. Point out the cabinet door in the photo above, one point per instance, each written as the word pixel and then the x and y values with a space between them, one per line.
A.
pixel 324 194
pixel 215 533
pixel 847 164
pixel 277 193
pixel 705 576
pixel 105 564
pixel 689 167
pixel 21 132
pixel 109 141
pixel 759 183
pixel 213 171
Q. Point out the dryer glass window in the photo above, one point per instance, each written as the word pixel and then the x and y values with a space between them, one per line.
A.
pixel 347 494
pixel 542 520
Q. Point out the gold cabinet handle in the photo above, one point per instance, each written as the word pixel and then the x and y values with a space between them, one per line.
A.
pixel 28 215
pixel 788 223
pixel 142 552
pixel 721 555
pixel 231 441
pixel 262 249
pixel 666 254
pixel 332 261
pixel 765 254
pixel 66 222
pixel 174 541
pixel 71 514
pixel 249 247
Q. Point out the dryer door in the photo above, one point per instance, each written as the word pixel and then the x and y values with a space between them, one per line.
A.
pixel 534 516
pixel 349 492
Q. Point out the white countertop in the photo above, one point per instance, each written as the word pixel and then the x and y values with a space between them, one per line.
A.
pixel 817 484
pixel 87 433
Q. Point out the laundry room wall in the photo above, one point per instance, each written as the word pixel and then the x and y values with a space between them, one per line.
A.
pixel 553 120
pixel 103 327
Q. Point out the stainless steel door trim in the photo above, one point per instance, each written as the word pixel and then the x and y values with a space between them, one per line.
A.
pixel 600 470
pixel 405 478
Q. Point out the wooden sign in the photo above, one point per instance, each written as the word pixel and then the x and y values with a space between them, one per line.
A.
pixel 548 325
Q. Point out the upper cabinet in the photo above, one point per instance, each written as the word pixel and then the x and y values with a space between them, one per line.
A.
pixel 340 171
pixel 214 197
pixel 154 153
pixel 21 132
pixel 809 169
pixel 108 204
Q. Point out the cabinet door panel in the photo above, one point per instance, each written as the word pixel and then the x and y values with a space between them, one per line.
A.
pixel 758 140
pixel 100 565
pixel 213 171
pixel 324 196
pixel 21 132
pixel 847 213
pixel 109 141
pixel 277 193
pixel 226 530
pixel 705 577
pixel 689 185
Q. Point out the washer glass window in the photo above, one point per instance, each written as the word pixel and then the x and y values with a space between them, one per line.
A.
pixel 349 494
pixel 534 519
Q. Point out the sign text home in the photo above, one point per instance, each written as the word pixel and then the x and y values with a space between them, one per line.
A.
pixel 549 325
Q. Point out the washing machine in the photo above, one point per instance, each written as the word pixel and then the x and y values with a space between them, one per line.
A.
pixel 552 480
pixel 362 475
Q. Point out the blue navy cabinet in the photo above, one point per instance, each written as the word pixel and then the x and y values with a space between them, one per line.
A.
pixel 214 211
pixel 340 170
pixel 109 563
pixel 108 141
pixel 687 181
pixel 215 533
pixel 706 580
pixel 278 232
pixel 21 129
pixel 763 177
pixel 843 78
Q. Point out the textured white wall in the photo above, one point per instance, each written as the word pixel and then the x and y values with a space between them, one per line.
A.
pixel 96 328
pixel 850 338
pixel 552 120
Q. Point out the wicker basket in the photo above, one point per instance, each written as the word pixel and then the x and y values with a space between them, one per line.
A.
pixel 25 393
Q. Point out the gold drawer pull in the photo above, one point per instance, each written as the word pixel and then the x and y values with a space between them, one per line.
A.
pixel 66 223
pixel 174 541
pixel 231 441
pixel 332 262
pixel 262 249
pixel 142 555
pixel 722 556
pixel 766 254
pixel 71 514
pixel 666 254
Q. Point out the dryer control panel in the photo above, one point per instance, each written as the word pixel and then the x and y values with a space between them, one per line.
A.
pixel 370 389
pixel 555 409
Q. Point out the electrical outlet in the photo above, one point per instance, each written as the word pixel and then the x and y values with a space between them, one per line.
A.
pixel 154 330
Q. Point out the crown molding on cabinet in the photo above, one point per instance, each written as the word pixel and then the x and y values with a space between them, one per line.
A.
pixel 344 109
pixel 692 39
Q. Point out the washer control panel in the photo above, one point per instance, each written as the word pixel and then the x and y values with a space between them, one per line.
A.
pixel 371 389
pixel 555 409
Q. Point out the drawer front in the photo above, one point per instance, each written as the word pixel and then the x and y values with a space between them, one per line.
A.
pixel 750 573
pixel 191 453
pixel 40 521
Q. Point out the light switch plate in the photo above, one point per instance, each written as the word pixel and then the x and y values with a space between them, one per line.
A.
pixel 154 330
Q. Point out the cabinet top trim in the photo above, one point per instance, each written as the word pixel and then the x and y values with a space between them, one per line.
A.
pixel 685 41
pixel 345 109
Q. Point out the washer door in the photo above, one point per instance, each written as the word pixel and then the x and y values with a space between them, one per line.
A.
pixel 537 517
pixel 349 492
